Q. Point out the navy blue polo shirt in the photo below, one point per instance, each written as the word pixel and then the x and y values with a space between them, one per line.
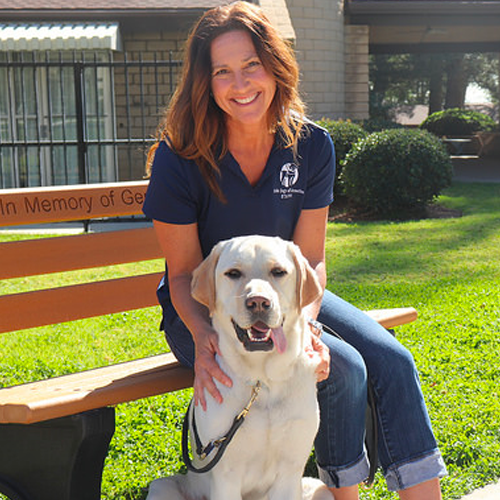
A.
pixel 178 194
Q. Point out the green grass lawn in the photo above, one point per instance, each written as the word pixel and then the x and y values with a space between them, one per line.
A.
pixel 448 269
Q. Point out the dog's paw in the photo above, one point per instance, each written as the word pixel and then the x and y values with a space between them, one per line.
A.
pixel 164 489
pixel 314 489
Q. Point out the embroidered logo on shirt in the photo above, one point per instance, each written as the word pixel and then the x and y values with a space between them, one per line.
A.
pixel 289 175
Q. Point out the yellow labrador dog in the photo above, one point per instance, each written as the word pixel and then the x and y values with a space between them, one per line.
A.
pixel 255 288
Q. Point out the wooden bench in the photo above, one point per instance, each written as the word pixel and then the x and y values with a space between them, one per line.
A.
pixel 55 433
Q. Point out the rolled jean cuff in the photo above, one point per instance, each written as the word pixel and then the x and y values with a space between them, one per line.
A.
pixel 410 473
pixel 339 477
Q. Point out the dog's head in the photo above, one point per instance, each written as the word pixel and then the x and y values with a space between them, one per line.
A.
pixel 252 285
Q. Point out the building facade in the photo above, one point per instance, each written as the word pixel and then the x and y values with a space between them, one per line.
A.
pixel 83 84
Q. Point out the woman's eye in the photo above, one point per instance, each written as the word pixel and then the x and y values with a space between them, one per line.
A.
pixel 253 64
pixel 233 274
pixel 220 72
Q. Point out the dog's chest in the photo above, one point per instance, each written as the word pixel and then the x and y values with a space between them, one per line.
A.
pixel 277 435
pixel 282 416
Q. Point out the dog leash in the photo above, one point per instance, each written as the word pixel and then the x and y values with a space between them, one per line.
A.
pixel 219 444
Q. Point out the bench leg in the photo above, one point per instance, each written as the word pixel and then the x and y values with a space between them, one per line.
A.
pixel 58 459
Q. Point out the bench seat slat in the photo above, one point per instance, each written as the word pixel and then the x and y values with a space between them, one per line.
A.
pixel 67 253
pixel 58 305
pixel 389 318
pixel 107 386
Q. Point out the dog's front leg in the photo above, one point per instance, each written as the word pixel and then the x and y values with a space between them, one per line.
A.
pixel 287 487
pixel 225 486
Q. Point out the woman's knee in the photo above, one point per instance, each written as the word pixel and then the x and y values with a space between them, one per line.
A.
pixel 348 373
pixel 400 363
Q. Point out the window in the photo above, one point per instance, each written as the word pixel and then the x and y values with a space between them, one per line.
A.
pixel 56 118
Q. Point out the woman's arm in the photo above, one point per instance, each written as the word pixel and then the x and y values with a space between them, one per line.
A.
pixel 182 251
pixel 310 236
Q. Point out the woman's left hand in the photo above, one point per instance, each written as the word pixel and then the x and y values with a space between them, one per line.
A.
pixel 318 349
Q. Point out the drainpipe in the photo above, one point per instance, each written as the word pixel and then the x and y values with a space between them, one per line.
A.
pixel 498 90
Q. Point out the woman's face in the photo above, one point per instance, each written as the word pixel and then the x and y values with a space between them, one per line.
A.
pixel 241 86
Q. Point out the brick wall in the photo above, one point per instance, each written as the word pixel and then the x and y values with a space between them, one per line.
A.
pixel 149 89
pixel 319 30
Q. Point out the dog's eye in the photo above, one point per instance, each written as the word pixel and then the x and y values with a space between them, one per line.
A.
pixel 233 274
pixel 278 272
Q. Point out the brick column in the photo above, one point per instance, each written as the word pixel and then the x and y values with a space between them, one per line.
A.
pixel 319 30
pixel 356 72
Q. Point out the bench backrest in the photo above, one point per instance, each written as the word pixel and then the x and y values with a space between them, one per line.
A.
pixel 67 253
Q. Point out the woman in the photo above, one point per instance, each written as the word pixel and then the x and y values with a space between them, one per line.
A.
pixel 235 156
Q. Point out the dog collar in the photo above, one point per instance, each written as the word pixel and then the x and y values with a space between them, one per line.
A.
pixel 316 327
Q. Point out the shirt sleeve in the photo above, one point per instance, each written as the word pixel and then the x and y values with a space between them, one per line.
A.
pixel 171 196
pixel 321 170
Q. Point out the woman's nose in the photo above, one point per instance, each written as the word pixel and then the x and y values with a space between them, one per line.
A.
pixel 240 80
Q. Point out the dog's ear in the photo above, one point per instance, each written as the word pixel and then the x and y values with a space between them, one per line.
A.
pixel 308 286
pixel 203 280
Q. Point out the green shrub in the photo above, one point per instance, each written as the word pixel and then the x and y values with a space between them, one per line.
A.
pixel 456 122
pixel 378 124
pixel 344 135
pixel 397 172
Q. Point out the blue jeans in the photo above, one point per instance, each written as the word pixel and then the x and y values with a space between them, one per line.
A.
pixel 407 449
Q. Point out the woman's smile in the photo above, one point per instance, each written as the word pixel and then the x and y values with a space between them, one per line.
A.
pixel 246 100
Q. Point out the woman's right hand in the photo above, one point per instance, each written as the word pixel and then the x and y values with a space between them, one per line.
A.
pixel 206 368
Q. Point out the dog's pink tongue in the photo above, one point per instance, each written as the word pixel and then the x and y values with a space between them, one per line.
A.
pixel 279 339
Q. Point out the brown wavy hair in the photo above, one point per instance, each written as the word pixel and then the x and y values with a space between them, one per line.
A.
pixel 194 125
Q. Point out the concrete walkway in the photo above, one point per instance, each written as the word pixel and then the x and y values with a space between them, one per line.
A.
pixel 491 492
pixel 69 228
pixel 473 169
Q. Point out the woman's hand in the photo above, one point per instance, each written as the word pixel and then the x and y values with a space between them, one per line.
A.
pixel 206 368
pixel 323 368
pixel 317 349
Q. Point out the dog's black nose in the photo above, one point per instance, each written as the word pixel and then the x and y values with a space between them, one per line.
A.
pixel 257 304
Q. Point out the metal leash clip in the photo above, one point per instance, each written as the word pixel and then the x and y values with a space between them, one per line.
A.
pixel 255 393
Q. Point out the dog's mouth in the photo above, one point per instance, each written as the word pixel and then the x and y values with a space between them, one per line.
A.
pixel 261 337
